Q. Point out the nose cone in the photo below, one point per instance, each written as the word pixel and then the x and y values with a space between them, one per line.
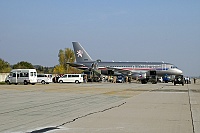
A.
pixel 179 72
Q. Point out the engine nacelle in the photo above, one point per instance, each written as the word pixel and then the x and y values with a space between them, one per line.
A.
pixel 107 72
pixel 139 76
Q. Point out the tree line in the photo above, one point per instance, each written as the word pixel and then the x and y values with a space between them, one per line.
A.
pixel 64 57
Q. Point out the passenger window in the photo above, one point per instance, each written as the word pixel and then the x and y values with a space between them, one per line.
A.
pixel 25 74
pixel 75 75
pixel 21 74
pixel 14 75
pixel 31 74
pixel 65 76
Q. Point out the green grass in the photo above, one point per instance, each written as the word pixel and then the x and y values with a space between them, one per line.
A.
pixel 2 83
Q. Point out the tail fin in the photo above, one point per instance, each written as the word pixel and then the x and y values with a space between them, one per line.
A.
pixel 80 53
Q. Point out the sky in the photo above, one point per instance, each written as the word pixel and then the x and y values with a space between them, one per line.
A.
pixel 110 30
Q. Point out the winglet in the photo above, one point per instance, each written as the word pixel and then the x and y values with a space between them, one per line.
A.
pixel 80 53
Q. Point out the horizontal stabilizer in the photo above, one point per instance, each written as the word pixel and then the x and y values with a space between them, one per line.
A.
pixel 75 64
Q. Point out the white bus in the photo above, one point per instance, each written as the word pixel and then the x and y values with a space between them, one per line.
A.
pixel 25 76
pixel 44 78
pixel 71 78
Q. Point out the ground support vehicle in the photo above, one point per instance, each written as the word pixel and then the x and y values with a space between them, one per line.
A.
pixel 92 76
pixel 179 79
pixel 150 77
pixel 153 79
pixel 120 79
pixel 25 76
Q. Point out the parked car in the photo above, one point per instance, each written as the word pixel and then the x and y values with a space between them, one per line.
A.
pixel 71 78
pixel 44 78
pixel 179 79
pixel 120 79
pixel 167 79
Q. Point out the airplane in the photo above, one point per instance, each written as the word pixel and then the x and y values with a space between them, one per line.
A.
pixel 138 70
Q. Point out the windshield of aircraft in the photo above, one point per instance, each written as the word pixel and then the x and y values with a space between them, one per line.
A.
pixel 173 67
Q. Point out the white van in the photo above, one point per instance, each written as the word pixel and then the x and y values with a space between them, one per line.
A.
pixel 25 76
pixel 44 78
pixel 71 78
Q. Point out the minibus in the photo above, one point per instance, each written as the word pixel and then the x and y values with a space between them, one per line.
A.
pixel 25 76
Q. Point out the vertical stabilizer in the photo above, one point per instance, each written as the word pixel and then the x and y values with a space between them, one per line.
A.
pixel 80 53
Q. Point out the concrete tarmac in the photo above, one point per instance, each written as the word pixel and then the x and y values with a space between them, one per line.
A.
pixel 100 108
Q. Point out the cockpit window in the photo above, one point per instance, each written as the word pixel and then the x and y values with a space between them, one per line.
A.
pixel 173 67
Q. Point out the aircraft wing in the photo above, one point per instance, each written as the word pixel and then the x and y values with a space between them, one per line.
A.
pixel 123 71
pixel 128 72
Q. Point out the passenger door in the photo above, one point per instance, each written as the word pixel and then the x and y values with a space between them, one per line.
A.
pixel 14 77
